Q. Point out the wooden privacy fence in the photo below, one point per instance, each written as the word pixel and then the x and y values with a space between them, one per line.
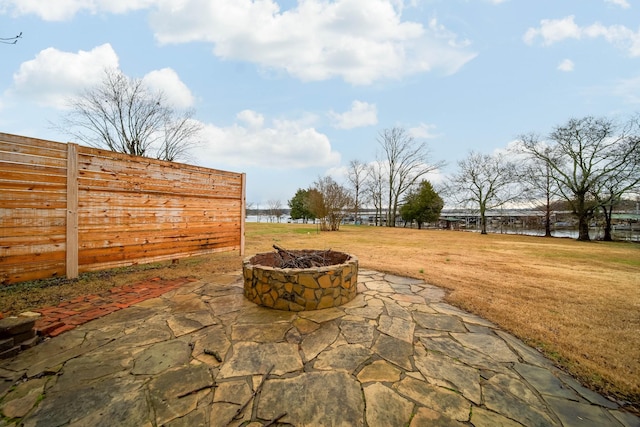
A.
pixel 66 209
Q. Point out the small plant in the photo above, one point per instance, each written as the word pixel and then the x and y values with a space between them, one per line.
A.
pixel 422 271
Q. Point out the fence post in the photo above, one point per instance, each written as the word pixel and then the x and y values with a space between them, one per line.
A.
pixel 243 212
pixel 72 212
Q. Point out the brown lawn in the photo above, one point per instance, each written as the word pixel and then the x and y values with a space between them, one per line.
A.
pixel 577 302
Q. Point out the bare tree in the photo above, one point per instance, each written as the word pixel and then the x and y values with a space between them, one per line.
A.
pixel 248 208
pixel 357 174
pixel 615 185
pixel 123 115
pixel 583 156
pixel 179 137
pixel 484 181
pixel 329 202
pixel 407 162
pixel 374 188
pixel 11 40
pixel 275 209
pixel 539 186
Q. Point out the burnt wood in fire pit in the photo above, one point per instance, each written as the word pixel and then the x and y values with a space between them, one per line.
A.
pixel 297 280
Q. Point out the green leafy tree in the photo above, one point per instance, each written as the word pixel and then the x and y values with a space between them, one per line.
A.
pixel 423 204
pixel 299 205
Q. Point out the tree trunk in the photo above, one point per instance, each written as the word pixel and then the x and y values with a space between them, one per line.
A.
pixel 390 199
pixel 483 223
pixel 583 228
pixel 583 214
pixel 547 226
pixel 607 224
pixel 547 218
pixel 392 213
pixel 483 219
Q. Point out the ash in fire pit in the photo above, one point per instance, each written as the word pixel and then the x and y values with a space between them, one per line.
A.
pixel 299 280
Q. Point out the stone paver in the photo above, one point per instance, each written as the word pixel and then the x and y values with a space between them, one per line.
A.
pixel 199 354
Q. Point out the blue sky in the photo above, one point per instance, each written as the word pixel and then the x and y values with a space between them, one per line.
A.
pixel 289 90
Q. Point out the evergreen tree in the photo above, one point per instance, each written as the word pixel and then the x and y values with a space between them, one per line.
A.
pixel 299 205
pixel 423 204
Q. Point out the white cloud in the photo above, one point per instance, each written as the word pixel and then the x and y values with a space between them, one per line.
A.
pixel 361 114
pixel 566 65
pixel 168 81
pixel 286 144
pixel 555 30
pixel 62 10
pixel 622 3
pixel 360 41
pixel 628 89
pixel 251 118
pixel 423 131
pixel 53 75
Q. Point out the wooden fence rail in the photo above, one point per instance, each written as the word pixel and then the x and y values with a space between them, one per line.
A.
pixel 67 209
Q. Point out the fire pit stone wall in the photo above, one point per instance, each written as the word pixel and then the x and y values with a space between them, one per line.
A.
pixel 299 289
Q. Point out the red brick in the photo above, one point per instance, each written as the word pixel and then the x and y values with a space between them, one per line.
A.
pixel 69 312
pixel 95 313
pixel 61 329
pixel 108 309
pixel 136 300
pixel 42 322
pixel 75 320
pixel 46 330
pixel 84 306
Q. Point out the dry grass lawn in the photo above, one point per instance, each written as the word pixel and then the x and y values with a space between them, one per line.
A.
pixel 577 302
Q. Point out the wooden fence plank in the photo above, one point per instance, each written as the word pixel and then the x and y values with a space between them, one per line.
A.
pixel 108 209
pixel 243 210
pixel 72 212
pixel 25 140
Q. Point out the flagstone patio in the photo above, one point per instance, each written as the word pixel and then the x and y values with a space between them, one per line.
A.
pixel 202 355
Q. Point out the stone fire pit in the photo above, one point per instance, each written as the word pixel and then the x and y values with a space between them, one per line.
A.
pixel 298 289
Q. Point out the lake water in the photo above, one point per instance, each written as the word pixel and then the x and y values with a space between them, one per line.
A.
pixel 594 233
